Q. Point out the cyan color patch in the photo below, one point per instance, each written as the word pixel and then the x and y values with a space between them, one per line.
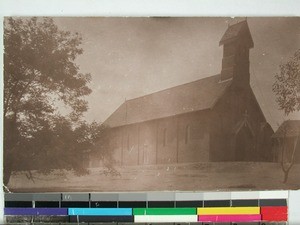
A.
pixel 100 211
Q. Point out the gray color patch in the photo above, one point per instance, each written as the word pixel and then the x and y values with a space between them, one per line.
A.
pixel 161 196
pixel 45 197
pixel 18 197
pixel 217 196
pixel 72 197
pixel 189 196
pixel 108 197
pixel 132 197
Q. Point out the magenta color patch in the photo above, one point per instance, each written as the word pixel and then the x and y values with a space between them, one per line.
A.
pixel 229 218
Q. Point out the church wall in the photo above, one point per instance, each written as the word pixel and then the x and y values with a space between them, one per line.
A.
pixel 183 138
pixel 167 140
pixel 123 142
pixel 116 144
pixel 130 145
pixel 221 129
pixel 235 106
pixel 147 142
pixel 264 133
pixel 193 135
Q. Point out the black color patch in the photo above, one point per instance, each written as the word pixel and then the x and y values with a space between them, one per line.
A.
pixel 272 202
pixel 161 204
pixel 132 204
pixel 189 204
pixel 21 204
pixel 250 202
pixel 46 204
pixel 74 204
pixel 217 203
pixel 104 204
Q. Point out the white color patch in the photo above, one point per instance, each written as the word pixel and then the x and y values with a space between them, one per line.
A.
pixel 164 218
pixel 273 194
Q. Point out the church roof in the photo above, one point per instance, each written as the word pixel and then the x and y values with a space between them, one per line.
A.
pixel 234 31
pixel 289 128
pixel 194 96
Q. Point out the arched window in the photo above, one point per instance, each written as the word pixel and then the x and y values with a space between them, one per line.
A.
pixel 187 134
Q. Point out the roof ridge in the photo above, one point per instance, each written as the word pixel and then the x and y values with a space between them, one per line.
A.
pixel 170 88
pixel 238 23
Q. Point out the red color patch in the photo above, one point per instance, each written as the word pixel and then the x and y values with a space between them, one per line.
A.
pixel 273 210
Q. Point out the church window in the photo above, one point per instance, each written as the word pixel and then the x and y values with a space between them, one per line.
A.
pixel 187 134
pixel 165 137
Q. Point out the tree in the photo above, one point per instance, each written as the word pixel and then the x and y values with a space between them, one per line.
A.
pixel 287 91
pixel 40 74
pixel 287 138
pixel 287 85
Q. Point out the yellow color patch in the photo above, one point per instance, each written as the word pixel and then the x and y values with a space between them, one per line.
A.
pixel 228 210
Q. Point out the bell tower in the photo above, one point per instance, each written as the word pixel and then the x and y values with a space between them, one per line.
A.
pixel 237 42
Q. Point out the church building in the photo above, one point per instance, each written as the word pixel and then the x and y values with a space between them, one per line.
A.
pixel 212 119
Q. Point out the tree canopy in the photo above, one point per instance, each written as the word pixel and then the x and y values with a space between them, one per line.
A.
pixel 287 85
pixel 41 78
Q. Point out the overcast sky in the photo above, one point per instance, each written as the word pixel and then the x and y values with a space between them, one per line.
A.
pixel 131 57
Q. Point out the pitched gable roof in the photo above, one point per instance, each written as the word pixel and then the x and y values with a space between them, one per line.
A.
pixel 289 128
pixel 236 30
pixel 198 95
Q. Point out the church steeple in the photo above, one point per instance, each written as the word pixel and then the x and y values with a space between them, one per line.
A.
pixel 237 42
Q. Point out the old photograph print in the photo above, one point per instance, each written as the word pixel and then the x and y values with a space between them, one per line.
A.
pixel 151 104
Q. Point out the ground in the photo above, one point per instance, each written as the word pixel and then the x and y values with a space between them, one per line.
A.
pixel 184 177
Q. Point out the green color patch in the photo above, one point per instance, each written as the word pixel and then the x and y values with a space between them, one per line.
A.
pixel 164 211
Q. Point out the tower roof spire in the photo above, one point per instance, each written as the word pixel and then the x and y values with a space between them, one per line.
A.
pixel 235 31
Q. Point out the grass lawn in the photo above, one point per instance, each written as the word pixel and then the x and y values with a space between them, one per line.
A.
pixel 173 177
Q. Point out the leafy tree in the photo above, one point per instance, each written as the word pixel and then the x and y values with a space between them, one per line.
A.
pixel 287 85
pixel 60 146
pixel 287 91
pixel 40 74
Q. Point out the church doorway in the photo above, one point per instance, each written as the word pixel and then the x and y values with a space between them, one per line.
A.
pixel 244 144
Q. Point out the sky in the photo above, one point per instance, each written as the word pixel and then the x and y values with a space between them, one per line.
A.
pixel 131 57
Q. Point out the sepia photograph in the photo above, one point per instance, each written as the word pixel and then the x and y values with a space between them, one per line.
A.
pixel 103 104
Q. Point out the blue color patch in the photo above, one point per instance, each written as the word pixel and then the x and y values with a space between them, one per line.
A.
pixel 36 211
pixel 100 211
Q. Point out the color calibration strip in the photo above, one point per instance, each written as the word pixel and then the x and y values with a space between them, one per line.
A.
pixel 160 207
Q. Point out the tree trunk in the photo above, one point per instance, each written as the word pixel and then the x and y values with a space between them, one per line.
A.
pixel 6 176
pixel 9 145
pixel 7 169
pixel 286 176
